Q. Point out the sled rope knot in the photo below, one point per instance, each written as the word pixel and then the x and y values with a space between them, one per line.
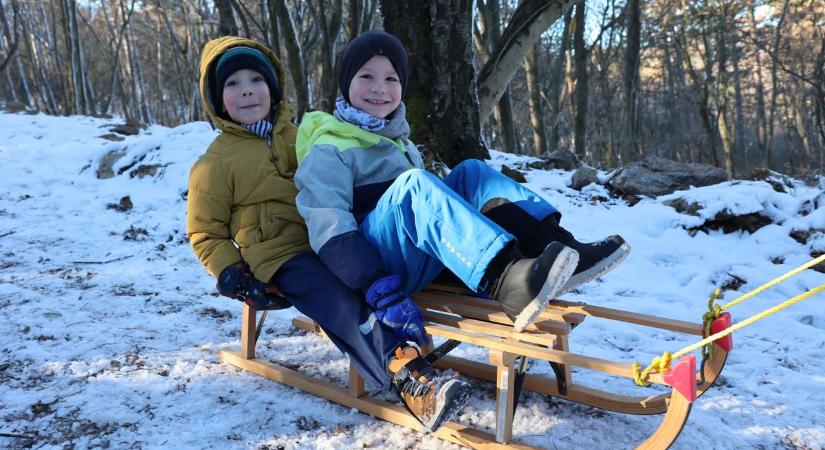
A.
pixel 661 364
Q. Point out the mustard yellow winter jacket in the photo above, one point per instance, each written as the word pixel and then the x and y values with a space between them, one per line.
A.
pixel 241 202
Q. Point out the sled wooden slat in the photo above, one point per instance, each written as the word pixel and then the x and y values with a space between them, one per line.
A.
pixel 629 317
pixel 545 325
pixel 454 313
pixel 494 329
pixel 491 311
pixel 627 404
pixel 390 412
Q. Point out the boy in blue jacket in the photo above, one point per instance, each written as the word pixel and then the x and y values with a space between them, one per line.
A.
pixel 386 227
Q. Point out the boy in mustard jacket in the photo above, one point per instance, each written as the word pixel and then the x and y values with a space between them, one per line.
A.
pixel 244 226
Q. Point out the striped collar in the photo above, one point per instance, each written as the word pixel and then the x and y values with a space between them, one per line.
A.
pixel 261 128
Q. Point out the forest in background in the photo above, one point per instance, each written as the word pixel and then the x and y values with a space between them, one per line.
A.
pixel 737 84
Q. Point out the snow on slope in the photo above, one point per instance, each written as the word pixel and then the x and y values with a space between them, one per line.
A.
pixel 110 326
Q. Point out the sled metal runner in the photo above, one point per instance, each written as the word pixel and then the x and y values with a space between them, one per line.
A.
pixel 453 314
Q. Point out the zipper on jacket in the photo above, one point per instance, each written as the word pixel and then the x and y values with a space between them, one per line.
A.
pixel 402 147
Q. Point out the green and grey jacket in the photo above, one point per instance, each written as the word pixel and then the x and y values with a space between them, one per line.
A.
pixel 343 171
pixel 241 202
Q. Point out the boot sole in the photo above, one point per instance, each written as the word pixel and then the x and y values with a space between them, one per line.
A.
pixel 560 273
pixel 453 395
pixel 598 269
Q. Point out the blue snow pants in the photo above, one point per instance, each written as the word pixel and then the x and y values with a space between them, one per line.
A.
pixel 422 224
pixel 317 293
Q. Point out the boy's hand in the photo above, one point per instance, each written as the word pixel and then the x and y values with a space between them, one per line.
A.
pixel 396 310
pixel 236 281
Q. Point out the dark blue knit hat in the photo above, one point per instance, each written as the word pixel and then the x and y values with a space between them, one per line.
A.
pixel 364 47
pixel 237 58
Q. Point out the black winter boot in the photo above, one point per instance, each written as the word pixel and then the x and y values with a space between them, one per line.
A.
pixel 595 258
pixel 527 285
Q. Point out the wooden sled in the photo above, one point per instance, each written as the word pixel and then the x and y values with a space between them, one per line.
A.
pixel 453 314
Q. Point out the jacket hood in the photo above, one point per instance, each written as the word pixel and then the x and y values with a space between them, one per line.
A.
pixel 212 51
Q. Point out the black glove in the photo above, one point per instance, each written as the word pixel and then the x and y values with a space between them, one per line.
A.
pixel 237 281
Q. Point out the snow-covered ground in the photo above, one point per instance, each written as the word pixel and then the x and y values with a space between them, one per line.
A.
pixel 110 327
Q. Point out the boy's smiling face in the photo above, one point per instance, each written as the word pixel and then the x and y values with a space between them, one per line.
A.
pixel 246 97
pixel 376 88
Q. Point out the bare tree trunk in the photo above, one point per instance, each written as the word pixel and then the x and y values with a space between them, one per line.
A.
pixel 797 103
pixel 701 89
pixel 67 8
pixel 441 97
pixel 55 60
pixel 631 146
pixel 761 120
pixel 352 27
pixel 329 34
pixel 819 102
pixel 740 145
pixel 295 58
pixel 238 7
pixel 11 39
pixel 534 102
pixel 580 126
pixel 369 14
pixel 226 26
pixel 274 29
pixel 86 85
pixel 774 84
pixel 45 100
pixel 490 33
pixel 722 94
pixel 177 49
pixel 557 81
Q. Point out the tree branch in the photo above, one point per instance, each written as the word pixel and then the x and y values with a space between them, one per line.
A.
pixel 530 20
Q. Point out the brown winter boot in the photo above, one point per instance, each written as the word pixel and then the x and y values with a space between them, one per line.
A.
pixel 430 396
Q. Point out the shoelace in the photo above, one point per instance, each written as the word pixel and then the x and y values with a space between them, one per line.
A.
pixel 410 377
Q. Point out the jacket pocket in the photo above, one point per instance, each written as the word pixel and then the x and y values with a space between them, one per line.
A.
pixel 276 218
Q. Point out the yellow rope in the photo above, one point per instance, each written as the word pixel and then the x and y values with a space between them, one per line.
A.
pixel 715 310
pixel 661 364
pixel 774 282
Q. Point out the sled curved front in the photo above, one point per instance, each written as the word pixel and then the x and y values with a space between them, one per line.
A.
pixel 678 410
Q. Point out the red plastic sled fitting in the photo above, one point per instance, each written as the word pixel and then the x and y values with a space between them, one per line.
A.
pixel 722 323
pixel 682 377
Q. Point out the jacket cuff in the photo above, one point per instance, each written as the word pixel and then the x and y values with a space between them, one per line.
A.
pixel 223 257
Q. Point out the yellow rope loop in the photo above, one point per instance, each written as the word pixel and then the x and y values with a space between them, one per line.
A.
pixel 707 320
pixel 659 364
pixel 713 311
pixel 637 375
